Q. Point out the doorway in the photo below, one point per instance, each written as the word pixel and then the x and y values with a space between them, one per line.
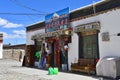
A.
pixel 88 45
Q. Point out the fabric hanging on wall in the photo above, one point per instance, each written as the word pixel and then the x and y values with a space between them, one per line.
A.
pixel 57 53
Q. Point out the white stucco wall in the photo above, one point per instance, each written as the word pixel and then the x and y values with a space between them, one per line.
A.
pixel 1 50
pixel 29 35
pixel 73 50
pixel 109 22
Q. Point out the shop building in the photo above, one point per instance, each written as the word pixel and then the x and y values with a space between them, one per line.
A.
pixel 58 37
pixel 1 45
pixel 32 42
pixel 94 30
pixel 51 43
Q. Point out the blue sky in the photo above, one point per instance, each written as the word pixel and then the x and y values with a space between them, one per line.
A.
pixel 14 26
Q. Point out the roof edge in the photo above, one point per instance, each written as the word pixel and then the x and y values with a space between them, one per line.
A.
pixel 89 5
pixel 35 23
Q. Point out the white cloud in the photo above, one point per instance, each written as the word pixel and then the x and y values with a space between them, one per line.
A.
pixel 16 34
pixel 21 32
pixel 6 24
pixel 12 25
pixel 3 22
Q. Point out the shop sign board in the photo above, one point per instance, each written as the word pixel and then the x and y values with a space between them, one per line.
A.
pixel 89 26
pixel 57 21
pixel 105 36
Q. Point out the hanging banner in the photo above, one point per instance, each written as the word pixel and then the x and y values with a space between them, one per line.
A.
pixel 57 21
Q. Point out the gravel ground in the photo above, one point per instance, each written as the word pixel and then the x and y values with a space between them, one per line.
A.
pixel 12 70
pixel 8 71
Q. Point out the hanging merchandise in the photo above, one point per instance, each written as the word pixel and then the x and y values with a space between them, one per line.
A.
pixel 37 55
pixel 48 48
pixel 40 59
pixel 44 63
pixel 57 53
pixel 63 53
pixel 66 47
pixel 43 56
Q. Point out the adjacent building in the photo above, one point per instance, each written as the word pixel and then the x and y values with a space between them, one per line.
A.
pixel 1 45
pixel 33 43
pixel 15 52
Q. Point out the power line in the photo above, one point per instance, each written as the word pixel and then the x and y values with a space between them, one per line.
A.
pixel 24 6
pixel 30 17
pixel 22 19
pixel 33 14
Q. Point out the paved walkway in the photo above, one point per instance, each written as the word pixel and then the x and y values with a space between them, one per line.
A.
pixel 12 70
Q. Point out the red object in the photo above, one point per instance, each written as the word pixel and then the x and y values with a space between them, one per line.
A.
pixel 97 60
pixel 1 41
pixel 57 53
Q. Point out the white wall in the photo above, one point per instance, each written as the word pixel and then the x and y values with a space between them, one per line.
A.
pixel 73 50
pixel 1 50
pixel 110 22
pixel 30 34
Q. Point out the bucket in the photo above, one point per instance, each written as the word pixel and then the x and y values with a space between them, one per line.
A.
pixel 55 71
pixel 64 67
pixel 50 71
pixel 47 66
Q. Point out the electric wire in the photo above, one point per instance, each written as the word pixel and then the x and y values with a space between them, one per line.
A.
pixel 33 14
pixel 24 6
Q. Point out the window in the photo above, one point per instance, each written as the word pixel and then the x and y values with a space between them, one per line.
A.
pixel 88 45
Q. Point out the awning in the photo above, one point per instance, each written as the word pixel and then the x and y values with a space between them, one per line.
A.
pixel 38 37
pixel 59 33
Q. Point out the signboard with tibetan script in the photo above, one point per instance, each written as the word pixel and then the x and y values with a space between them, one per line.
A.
pixel 87 27
pixel 57 21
